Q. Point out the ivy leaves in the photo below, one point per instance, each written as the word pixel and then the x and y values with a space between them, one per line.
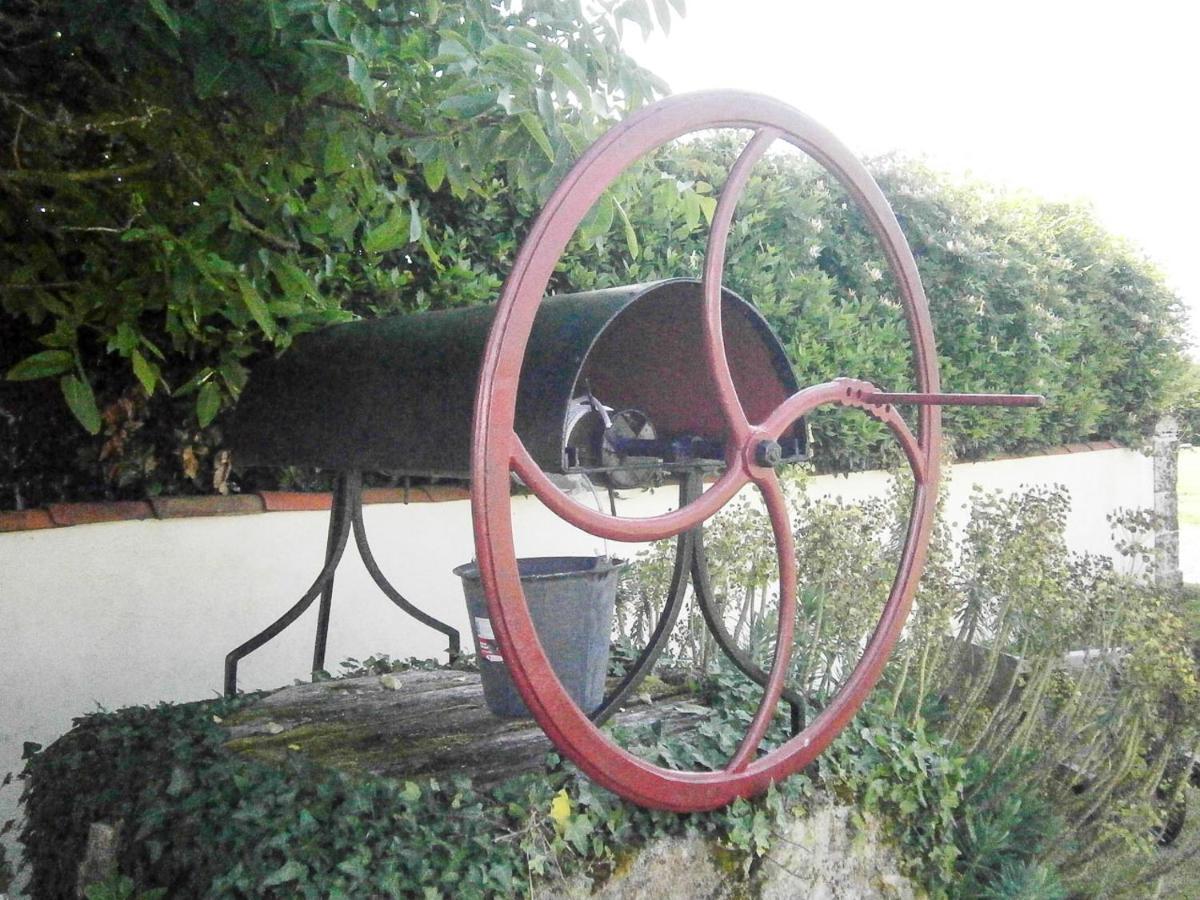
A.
pixel 210 822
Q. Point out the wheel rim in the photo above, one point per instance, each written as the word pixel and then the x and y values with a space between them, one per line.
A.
pixel 497 452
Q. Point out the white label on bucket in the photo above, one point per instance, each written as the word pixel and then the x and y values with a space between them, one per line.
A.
pixel 489 649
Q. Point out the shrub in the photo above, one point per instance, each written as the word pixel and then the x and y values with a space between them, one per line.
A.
pixel 992 661
pixel 1025 295
pixel 189 185
pixel 1186 406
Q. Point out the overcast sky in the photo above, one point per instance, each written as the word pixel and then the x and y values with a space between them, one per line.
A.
pixel 1071 100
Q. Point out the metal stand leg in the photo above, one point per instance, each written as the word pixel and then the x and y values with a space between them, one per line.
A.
pixel 339 532
pixel 690 559
pixel 346 514
pixel 368 558
pixel 348 484
pixel 702 584
pixel 689 490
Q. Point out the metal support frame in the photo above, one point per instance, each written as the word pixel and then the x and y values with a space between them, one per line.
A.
pixel 345 515
pixel 690 561
pixel 690 485
pixel 706 599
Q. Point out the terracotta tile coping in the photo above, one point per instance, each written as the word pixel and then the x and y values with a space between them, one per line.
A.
pixel 58 515
pixel 191 507
pixel 86 513
pixel 25 520
pixel 295 501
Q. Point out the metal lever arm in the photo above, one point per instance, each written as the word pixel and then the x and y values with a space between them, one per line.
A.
pixel 880 398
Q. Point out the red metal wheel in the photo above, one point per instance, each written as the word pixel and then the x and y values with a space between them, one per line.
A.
pixel 497 452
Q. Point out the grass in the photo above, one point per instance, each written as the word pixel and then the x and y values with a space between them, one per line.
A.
pixel 1183 857
pixel 1181 882
pixel 1189 486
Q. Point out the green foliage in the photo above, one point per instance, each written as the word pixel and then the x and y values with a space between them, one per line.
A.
pixel 846 565
pixel 200 820
pixel 1186 406
pixel 120 887
pixel 192 186
pixel 1061 672
pixel 1005 830
pixel 1026 881
pixel 380 664
pixel 187 185
pixel 1073 758
pixel 915 783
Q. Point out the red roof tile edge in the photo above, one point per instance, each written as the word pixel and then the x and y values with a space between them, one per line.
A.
pixel 25 520
pixel 89 513
pixel 295 501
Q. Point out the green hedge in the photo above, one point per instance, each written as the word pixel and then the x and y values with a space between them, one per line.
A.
pixel 1025 295
pixel 194 184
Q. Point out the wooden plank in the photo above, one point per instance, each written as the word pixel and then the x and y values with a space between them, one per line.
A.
pixel 417 723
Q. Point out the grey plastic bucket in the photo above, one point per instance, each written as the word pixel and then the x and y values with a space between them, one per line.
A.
pixel 571 601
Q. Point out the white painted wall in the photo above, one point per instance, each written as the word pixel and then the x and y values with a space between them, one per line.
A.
pixel 1099 482
pixel 137 612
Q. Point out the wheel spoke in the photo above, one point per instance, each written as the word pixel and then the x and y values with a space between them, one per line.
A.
pixel 623 528
pixel 831 720
pixel 781 525
pixel 714 265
